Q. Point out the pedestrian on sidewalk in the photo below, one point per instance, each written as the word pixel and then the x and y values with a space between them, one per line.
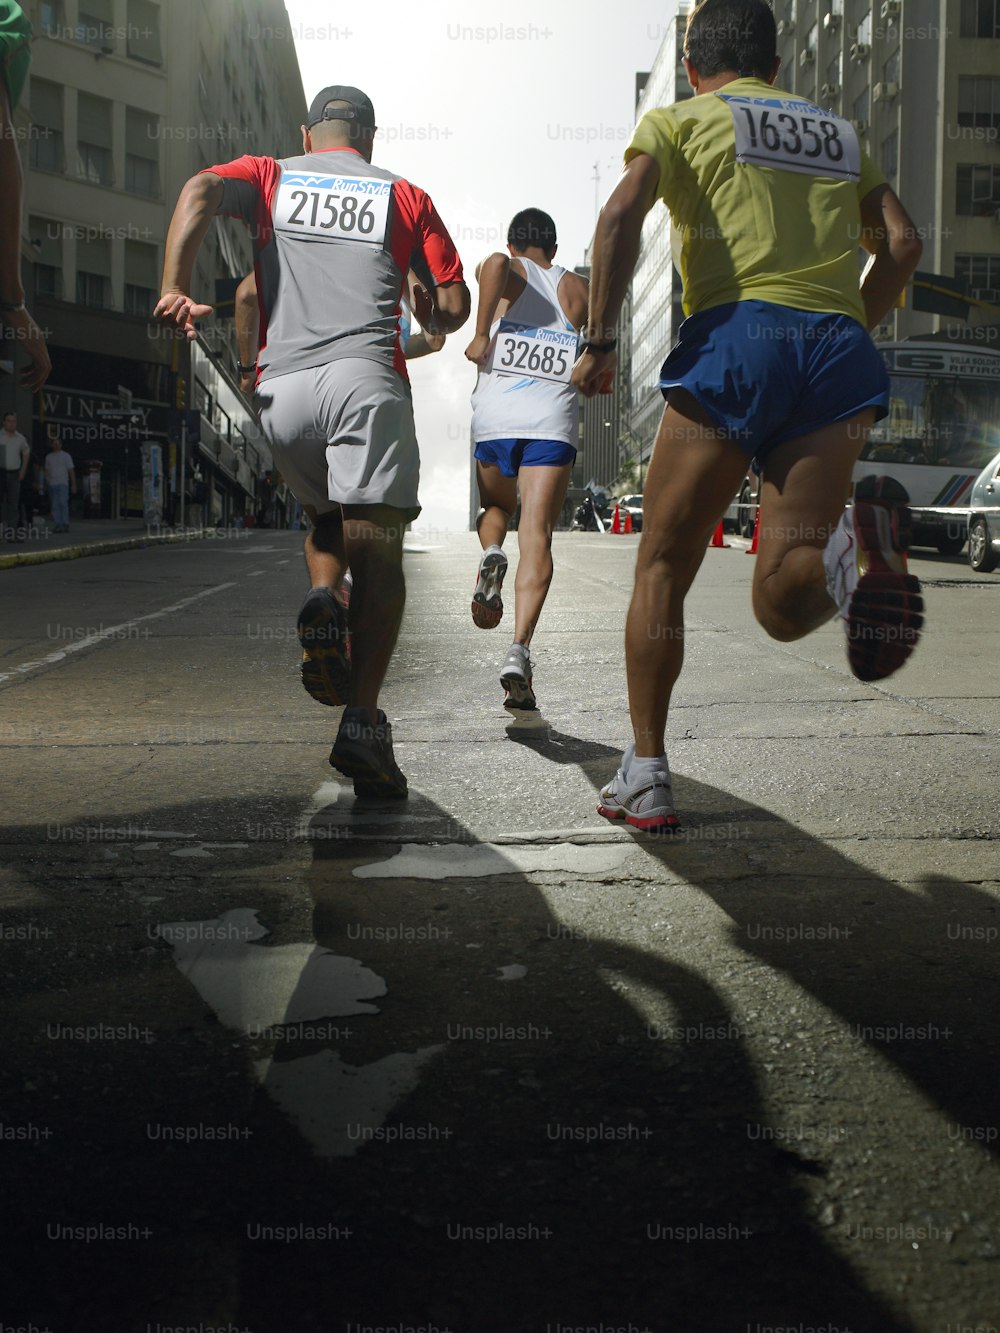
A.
pixel 525 424
pixel 770 197
pixel 336 236
pixel 15 456
pixel 60 478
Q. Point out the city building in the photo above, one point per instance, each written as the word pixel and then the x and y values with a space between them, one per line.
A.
pixel 604 419
pixel 656 284
pixel 127 99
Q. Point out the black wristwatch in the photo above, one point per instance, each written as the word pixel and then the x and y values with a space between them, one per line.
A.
pixel 599 347
pixel 241 369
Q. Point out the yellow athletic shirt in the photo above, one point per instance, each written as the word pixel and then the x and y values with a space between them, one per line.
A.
pixel 747 231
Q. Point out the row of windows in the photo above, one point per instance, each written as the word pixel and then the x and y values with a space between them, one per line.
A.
pixel 95 27
pixel 94 139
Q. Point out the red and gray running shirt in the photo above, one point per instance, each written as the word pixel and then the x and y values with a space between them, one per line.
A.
pixel 333 238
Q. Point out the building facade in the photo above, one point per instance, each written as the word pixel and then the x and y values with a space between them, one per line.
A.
pixel 656 284
pixel 126 99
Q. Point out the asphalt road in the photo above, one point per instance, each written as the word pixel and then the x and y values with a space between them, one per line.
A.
pixel 277 1061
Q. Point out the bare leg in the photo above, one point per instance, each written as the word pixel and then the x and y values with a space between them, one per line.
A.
pixel 692 477
pixel 324 551
pixel 498 496
pixel 806 484
pixel 543 490
pixel 373 543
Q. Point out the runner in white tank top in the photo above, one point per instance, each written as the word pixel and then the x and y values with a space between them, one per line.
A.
pixel 525 421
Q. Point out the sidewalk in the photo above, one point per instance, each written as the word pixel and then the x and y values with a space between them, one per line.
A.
pixel 89 537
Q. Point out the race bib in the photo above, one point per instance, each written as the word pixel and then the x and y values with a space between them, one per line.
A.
pixel 332 208
pixel 540 354
pixel 794 135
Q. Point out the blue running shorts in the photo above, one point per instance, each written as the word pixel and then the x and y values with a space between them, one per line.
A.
pixel 768 373
pixel 509 455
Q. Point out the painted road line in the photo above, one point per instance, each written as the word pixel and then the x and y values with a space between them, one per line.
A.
pixel 112 632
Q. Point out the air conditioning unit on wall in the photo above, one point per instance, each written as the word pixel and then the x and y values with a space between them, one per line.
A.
pixel 890 10
pixel 859 51
pixel 829 90
pixel 786 27
pixel 860 126
pixel 885 92
pixel 831 22
pixel 806 57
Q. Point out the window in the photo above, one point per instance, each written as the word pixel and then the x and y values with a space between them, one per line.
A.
pixel 980 18
pixel 93 272
pixel 142 278
pixel 859 111
pixel 890 70
pixel 51 18
pixel 44 239
pixel 865 29
pixel 979 101
pixel 143 32
pixel 142 153
pixel 977 191
pixel 47 126
pixel 96 25
pixel 890 154
pixel 93 140
pixel 981 274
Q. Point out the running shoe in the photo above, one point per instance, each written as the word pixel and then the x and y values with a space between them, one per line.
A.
pixel 646 802
pixel 515 677
pixel 322 630
pixel 866 575
pixel 363 751
pixel 487 604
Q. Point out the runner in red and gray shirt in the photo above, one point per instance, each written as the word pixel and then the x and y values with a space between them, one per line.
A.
pixel 334 237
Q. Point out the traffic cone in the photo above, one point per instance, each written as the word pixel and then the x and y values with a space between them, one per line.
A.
pixel 718 538
pixel 616 522
pixel 628 523
pixel 752 548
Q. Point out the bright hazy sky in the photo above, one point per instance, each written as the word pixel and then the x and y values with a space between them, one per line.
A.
pixel 490 108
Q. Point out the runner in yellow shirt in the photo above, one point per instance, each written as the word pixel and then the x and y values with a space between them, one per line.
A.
pixel 769 197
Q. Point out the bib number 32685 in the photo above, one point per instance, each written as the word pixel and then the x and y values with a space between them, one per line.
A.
pixel 540 354
pixel 343 208
pixel 794 136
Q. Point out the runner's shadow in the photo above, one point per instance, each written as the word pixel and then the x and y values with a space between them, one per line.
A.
pixel 580 1131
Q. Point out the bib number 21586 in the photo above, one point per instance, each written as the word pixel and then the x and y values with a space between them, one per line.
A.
pixel 340 208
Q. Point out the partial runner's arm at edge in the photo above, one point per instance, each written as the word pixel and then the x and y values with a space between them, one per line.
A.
pixel 493 274
pixel 615 254
pixel 890 234
pixel 199 202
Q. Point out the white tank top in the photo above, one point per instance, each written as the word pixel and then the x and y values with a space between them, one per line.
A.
pixel 524 391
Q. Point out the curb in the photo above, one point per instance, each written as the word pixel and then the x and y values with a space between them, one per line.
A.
pixel 109 547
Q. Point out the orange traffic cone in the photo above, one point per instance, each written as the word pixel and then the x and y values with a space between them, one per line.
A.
pixel 752 548
pixel 628 523
pixel 717 537
pixel 616 522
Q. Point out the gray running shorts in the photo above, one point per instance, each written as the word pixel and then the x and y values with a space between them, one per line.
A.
pixel 343 434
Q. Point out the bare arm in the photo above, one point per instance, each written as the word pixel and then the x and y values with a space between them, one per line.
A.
pixel 248 328
pixel 495 276
pixel 200 200
pixel 890 235
pixel 452 305
pixel 615 253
